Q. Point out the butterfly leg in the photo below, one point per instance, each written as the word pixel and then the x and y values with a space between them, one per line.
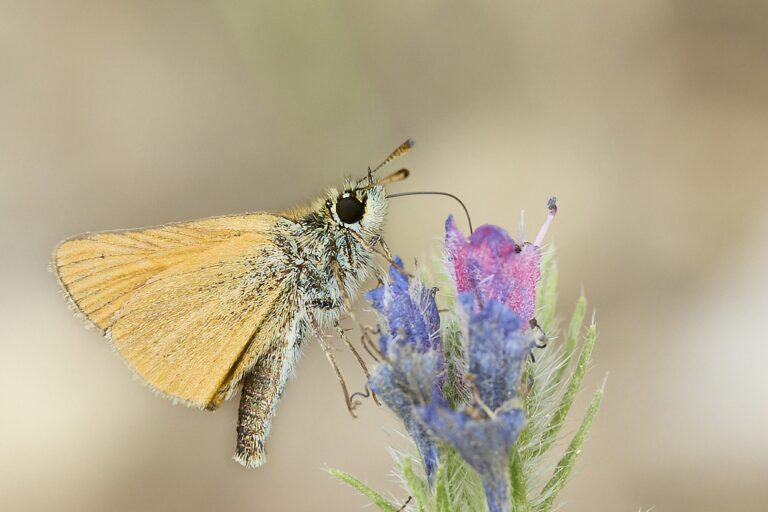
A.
pixel 385 247
pixel 369 345
pixel 387 255
pixel 262 387
pixel 371 248
pixel 348 306
pixel 329 355
pixel 360 361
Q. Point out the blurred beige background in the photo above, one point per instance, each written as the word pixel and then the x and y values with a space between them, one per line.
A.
pixel 649 121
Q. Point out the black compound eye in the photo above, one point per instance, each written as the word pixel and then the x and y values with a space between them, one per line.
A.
pixel 349 209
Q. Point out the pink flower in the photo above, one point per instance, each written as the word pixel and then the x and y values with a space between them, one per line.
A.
pixel 492 266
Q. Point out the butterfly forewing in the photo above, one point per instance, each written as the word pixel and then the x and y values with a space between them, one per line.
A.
pixel 184 304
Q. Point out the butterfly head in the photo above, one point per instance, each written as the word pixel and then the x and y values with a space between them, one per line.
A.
pixel 361 209
pixel 361 205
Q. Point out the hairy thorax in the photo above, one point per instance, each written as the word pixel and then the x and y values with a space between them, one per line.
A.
pixel 328 266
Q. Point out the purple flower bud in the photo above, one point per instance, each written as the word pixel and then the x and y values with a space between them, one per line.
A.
pixel 498 347
pixel 409 309
pixel 483 443
pixel 411 373
pixel 408 380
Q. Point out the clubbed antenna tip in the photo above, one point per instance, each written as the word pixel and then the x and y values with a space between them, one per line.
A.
pixel 398 152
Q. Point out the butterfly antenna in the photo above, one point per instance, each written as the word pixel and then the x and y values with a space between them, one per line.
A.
pixel 397 153
pixel 446 194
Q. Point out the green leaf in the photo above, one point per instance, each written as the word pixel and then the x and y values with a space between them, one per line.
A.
pixel 518 485
pixel 376 498
pixel 418 487
pixel 442 501
pixel 453 354
pixel 556 423
pixel 572 337
pixel 566 463
pixel 464 489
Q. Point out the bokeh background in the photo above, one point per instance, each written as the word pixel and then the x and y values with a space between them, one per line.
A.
pixel 649 121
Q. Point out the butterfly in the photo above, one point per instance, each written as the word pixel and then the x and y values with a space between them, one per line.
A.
pixel 202 309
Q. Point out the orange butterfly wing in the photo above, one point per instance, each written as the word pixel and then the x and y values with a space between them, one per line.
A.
pixel 187 305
